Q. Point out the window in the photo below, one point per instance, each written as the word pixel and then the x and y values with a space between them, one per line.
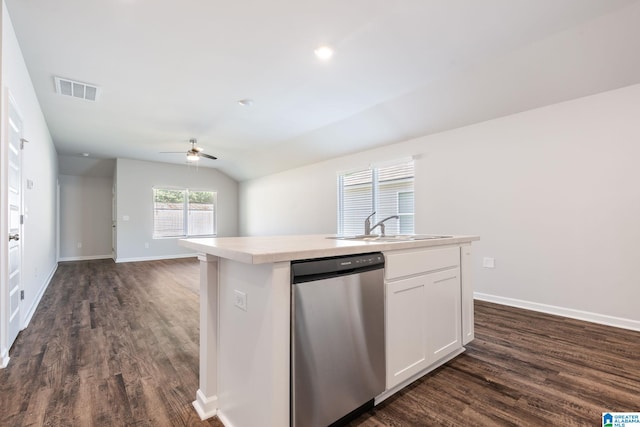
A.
pixel 386 190
pixel 405 211
pixel 183 213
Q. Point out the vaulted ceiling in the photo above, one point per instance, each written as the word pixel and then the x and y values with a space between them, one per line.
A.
pixel 172 70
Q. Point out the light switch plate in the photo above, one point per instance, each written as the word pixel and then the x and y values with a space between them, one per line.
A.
pixel 488 262
pixel 240 299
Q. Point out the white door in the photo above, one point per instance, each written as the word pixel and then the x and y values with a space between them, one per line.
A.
pixel 15 220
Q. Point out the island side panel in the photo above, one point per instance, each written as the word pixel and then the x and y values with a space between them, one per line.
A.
pixel 206 403
pixel 254 352
pixel 468 327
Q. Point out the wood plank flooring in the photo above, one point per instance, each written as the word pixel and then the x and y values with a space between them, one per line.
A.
pixel 524 369
pixel 109 345
pixel 117 345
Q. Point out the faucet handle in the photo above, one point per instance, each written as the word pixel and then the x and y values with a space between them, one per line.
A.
pixel 369 217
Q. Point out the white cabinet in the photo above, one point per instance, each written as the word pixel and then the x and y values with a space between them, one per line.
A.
pixel 406 331
pixel 423 310
pixel 443 306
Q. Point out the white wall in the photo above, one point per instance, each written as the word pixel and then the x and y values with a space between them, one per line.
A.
pixel 299 201
pixel 39 166
pixel 85 217
pixel 553 193
pixel 134 183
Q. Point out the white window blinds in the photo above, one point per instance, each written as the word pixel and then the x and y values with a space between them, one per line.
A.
pixel 386 190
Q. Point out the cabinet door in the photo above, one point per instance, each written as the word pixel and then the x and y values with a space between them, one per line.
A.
pixel 443 313
pixel 406 332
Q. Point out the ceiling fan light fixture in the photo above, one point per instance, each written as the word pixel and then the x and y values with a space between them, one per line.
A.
pixel 194 153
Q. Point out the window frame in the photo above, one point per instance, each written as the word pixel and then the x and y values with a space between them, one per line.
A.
pixel 185 212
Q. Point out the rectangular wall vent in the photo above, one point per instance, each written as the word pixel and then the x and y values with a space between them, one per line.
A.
pixel 77 89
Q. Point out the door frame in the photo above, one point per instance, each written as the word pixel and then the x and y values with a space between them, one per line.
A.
pixel 114 222
pixel 4 231
pixel 58 220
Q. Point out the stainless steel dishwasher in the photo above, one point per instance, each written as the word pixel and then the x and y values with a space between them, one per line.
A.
pixel 337 349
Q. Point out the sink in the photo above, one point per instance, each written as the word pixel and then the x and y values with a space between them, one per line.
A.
pixel 409 237
pixel 391 238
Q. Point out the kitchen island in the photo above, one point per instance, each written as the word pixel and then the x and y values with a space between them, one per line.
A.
pixel 245 316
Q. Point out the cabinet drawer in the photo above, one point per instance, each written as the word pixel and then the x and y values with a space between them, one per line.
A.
pixel 419 261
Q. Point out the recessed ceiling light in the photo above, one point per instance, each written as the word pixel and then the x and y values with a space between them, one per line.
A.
pixel 85 154
pixel 323 52
pixel 246 102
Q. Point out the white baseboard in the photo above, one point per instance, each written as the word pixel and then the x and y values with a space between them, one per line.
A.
pixel 587 316
pixel 84 258
pixel 224 420
pixel 36 301
pixel 155 258
pixel 4 360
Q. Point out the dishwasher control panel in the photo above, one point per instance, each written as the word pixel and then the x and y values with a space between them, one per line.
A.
pixel 305 270
pixel 360 260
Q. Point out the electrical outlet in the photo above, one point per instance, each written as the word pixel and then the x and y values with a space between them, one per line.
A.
pixel 146 245
pixel 488 262
pixel 240 299
pixel 79 245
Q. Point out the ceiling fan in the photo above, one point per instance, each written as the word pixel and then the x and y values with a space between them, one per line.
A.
pixel 194 153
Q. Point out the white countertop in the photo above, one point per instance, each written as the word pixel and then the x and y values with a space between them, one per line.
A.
pixel 269 249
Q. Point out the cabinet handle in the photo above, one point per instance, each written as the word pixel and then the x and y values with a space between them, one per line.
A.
pixel 445 279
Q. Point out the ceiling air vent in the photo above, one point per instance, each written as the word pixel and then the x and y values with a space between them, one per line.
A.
pixel 76 89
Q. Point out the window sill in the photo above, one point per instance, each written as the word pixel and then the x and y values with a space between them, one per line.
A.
pixel 184 237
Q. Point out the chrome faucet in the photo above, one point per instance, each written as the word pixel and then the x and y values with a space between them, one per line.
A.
pixel 368 228
pixel 367 224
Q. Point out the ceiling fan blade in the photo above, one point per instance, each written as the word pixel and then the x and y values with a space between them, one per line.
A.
pixel 193 153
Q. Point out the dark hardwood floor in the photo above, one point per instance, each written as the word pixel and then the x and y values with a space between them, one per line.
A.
pixel 524 368
pixel 117 345
pixel 109 345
